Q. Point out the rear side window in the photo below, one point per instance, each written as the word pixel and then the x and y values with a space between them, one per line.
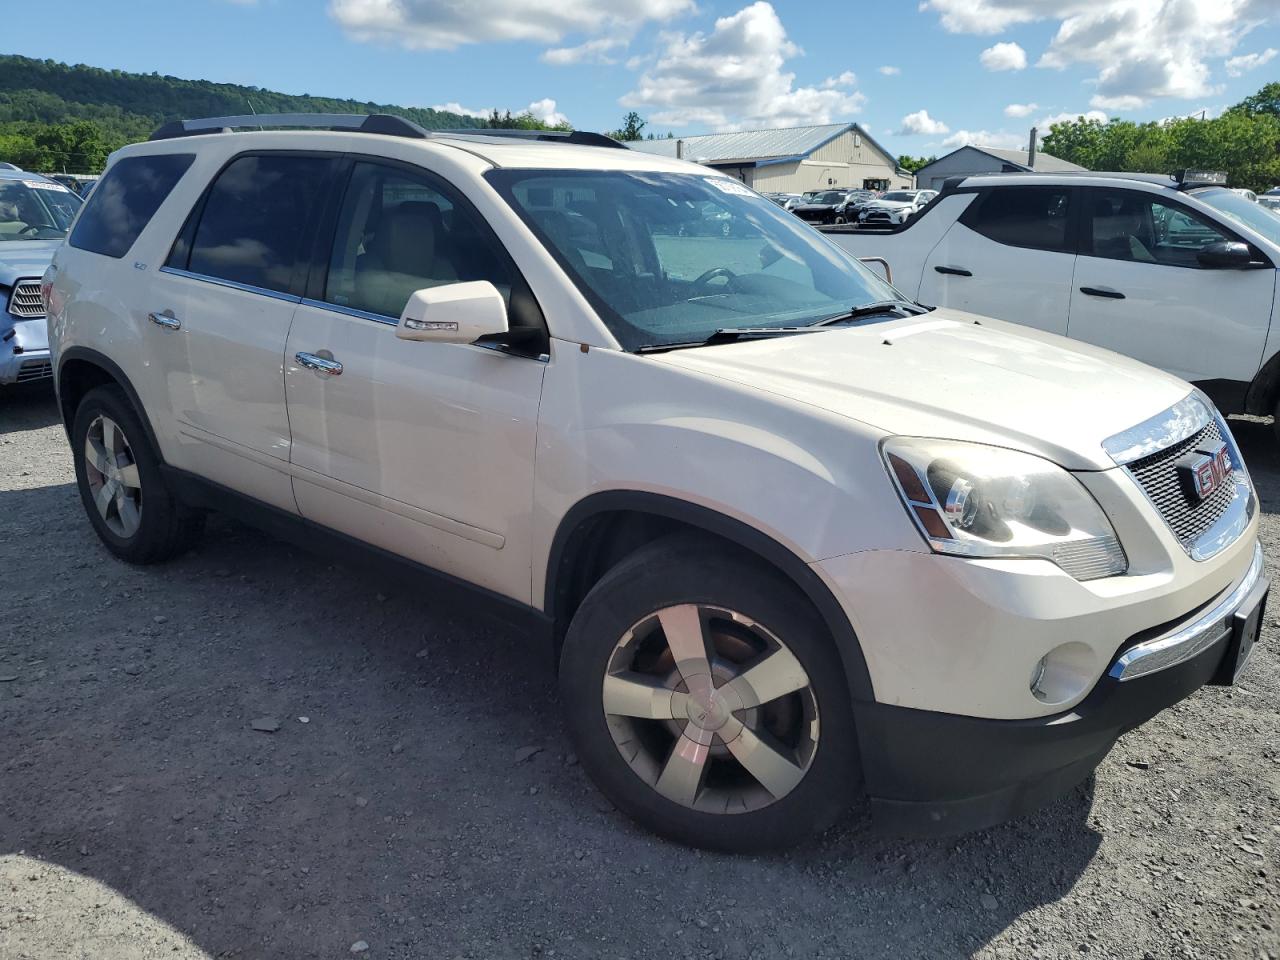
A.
pixel 1034 217
pixel 125 200
pixel 255 222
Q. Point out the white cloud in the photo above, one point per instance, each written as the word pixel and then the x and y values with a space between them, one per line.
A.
pixel 592 51
pixel 1238 66
pixel 1141 49
pixel 736 77
pixel 890 71
pixel 1004 56
pixel 440 25
pixel 921 122
pixel 1021 109
pixel 544 110
pixel 986 138
pixel 1044 124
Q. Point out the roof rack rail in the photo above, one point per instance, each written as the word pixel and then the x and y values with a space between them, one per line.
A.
pixel 383 123
pixel 581 138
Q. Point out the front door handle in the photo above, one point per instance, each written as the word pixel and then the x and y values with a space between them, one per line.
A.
pixel 325 365
pixel 954 271
pixel 165 319
pixel 1103 292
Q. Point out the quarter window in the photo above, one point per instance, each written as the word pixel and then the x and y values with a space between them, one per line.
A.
pixel 1132 226
pixel 1033 217
pixel 255 222
pixel 399 232
pixel 125 200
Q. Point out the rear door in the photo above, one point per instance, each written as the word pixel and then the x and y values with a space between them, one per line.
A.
pixel 1010 255
pixel 1140 290
pixel 220 311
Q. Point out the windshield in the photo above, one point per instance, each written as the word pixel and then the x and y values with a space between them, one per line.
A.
pixel 899 197
pixel 1242 210
pixel 830 197
pixel 35 210
pixel 672 258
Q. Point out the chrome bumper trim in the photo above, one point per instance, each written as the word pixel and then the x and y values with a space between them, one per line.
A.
pixel 1190 639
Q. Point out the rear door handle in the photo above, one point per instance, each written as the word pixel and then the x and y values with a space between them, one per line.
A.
pixel 1103 292
pixel 323 364
pixel 166 320
pixel 954 271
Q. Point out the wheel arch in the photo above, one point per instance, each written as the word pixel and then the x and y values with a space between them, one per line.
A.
pixel 1264 390
pixel 81 369
pixel 603 528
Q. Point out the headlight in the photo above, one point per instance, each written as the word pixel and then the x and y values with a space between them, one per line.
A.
pixel 973 500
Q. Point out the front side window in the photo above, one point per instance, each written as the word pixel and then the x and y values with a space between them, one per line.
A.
pixel 399 232
pixel 1034 217
pixel 125 200
pixel 254 225
pixel 673 258
pixel 1127 225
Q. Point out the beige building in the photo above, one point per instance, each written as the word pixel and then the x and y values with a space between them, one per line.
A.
pixel 791 159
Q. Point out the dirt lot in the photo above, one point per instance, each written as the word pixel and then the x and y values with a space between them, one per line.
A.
pixel 141 815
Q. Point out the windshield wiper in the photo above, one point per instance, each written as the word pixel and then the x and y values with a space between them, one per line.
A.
pixel 729 335
pixel 874 309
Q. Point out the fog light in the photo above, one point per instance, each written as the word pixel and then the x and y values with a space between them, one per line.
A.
pixel 1063 674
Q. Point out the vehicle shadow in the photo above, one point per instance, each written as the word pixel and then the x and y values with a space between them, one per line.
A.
pixel 27 406
pixel 401 812
pixel 1260 447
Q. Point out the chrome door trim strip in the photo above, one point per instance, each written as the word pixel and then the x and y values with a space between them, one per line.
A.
pixel 232 284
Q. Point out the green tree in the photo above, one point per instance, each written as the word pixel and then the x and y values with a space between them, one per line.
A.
pixel 632 128
pixel 912 164
pixel 1266 100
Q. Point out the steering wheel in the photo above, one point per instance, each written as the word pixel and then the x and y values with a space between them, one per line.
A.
pixel 714 272
pixel 32 228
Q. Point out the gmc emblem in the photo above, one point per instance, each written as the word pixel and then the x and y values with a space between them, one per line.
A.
pixel 1204 470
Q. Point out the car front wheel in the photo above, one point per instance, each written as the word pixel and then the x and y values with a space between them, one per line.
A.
pixel 124 493
pixel 705 699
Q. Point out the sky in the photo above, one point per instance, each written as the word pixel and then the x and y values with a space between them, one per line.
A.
pixel 921 77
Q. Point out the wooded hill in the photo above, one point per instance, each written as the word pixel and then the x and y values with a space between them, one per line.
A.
pixel 55 116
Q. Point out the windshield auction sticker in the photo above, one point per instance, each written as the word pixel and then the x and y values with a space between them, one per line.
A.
pixel 725 185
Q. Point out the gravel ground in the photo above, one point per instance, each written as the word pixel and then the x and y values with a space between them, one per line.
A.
pixel 394 811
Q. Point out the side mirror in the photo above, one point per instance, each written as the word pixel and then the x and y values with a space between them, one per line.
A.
pixel 1225 255
pixel 454 313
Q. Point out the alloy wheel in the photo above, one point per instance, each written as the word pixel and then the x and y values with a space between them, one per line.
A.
pixel 112 473
pixel 711 709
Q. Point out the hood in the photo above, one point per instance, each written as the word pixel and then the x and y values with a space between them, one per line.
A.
pixel 817 206
pixel 955 375
pixel 24 258
pixel 888 204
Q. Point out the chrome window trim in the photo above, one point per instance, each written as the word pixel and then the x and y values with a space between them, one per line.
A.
pixel 232 284
pixel 1192 638
pixel 350 311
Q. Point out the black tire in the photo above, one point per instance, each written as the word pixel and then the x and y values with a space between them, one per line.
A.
pixel 689 570
pixel 165 526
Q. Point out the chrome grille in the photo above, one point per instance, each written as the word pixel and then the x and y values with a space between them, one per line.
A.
pixel 34 370
pixel 25 300
pixel 1158 476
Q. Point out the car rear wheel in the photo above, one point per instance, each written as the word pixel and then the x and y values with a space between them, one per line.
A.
pixel 124 493
pixel 705 699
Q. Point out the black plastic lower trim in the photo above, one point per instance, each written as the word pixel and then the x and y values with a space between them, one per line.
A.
pixel 1229 396
pixel 207 495
pixel 935 773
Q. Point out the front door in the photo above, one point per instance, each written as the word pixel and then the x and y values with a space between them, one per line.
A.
pixel 1009 256
pixel 1140 290
pixel 424 449
pixel 220 311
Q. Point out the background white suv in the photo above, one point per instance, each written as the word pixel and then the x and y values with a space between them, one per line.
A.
pixel 792 536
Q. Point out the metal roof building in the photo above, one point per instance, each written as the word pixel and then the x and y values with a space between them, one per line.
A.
pixel 970 161
pixel 791 159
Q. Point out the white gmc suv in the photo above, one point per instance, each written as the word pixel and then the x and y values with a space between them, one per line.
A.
pixel 793 538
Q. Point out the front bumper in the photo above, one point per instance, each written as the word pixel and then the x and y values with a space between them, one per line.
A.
pixel 934 773
pixel 24 350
